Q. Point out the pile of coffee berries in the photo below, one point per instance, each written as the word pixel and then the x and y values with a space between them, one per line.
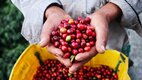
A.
pixel 74 36
pixel 54 70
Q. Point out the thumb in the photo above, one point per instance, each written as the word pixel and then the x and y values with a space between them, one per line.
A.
pixel 101 38
pixel 55 51
pixel 101 28
pixel 45 33
pixel 77 65
pixel 86 55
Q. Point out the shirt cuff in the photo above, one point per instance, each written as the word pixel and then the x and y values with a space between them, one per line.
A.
pixel 34 18
pixel 129 18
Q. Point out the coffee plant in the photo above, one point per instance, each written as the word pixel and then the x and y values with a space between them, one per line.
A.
pixel 12 43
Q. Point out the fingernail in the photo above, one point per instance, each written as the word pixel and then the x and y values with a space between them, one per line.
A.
pixel 70 71
pixel 58 54
pixel 41 42
pixel 103 48
pixel 78 58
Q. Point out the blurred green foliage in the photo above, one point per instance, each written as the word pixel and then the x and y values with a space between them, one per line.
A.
pixel 12 43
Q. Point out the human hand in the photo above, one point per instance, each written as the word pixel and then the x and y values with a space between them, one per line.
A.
pixel 100 21
pixel 54 15
pixel 81 59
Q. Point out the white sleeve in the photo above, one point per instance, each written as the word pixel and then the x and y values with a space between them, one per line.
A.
pixel 33 11
pixel 131 10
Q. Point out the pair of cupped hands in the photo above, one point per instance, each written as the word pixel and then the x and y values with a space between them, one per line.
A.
pixel 99 21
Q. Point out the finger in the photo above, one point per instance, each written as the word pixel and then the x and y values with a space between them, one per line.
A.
pixel 45 34
pixel 58 54
pixel 55 51
pixel 101 28
pixel 86 55
pixel 101 38
pixel 64 61
pixel 77 65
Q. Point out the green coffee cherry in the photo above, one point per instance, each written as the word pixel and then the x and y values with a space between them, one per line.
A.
pixel 68 38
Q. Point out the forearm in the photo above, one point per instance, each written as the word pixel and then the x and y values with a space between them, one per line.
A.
pixel 110 11
pixel 53 8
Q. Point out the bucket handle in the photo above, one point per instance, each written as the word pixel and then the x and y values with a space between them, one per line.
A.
pixel 119 62
pixel 39 58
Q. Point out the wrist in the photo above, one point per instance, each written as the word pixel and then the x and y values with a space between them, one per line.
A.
pixel 110 11
pixel 103 15
pixel 53 8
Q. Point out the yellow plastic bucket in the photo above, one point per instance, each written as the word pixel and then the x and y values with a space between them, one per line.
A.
pixel 27 64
